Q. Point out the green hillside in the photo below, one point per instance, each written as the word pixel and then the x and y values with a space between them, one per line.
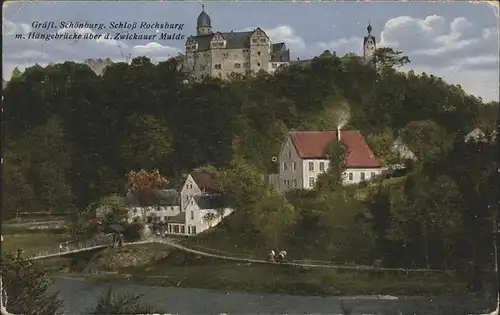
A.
pixel 70 136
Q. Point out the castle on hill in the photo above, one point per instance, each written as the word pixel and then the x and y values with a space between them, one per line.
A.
pixel 214 53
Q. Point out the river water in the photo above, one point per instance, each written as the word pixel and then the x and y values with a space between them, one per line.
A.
pixel 80 295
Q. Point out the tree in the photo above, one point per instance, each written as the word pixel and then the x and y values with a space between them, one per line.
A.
pixel 116 211
pixel 332 180
pixel 17 193
pixel 25 289
pixel 146 143
pixel 16 73
pixel 429 211
pixel 273 218
pixel 387 57
pixel 241 185
pixel 426 139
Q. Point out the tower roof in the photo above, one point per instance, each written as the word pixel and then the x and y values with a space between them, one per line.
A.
pixel 203 19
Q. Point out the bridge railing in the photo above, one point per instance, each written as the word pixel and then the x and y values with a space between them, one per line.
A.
pixel 95 241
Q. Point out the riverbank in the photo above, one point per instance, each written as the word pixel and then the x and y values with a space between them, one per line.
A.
pixel 172 300
pixel 160 265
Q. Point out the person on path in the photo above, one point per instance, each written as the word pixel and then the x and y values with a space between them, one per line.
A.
pixel 272 254
pixel 60 247
pixel 282 256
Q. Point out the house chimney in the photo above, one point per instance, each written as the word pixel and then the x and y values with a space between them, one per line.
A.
pixel 338 133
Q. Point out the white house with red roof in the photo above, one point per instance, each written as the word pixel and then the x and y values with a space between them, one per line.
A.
pixel 303 157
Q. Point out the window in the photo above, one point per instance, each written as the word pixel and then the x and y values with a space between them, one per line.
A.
pixel 254 40
pixel 289 154
pixel 183 231
pixel 149 219
pixel 262 40
pixel 258 64
pixel 192 215
pixel 351 176
pixel 274 65
pixel 295 183
pixel 285 166
pixel 176 229
pixel 237 65
pixel 294 166
pixel 169 228
pixel 258 53
pixel 218 66
pixel 246 65
pixel 284 182
pixel 321 166
pixel 372 174
pixel 362 176
pixel 165 219
pixel 193 229
pixel 189 229
pixel 311 166
pixel 311 181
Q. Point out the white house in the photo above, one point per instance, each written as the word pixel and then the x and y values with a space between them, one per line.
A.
pixel 401 150
pixel 204 212
pixel 303 157
pixel 167 206
pixel 475 135
pixel 195 209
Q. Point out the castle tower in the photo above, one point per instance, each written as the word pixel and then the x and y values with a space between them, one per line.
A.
pixel 369 47
pixel 203 24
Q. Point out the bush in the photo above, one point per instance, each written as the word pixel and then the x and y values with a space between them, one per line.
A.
pixel 133 231
pixel 123 304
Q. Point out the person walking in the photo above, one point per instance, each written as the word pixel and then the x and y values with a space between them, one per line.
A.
pixel 272 255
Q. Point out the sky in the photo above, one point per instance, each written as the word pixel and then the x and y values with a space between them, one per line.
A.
pixel 458 41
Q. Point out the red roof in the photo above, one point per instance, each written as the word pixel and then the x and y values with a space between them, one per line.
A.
pixel 312 145
pixel 204 180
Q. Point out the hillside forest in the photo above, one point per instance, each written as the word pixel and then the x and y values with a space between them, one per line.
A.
pixel 70 136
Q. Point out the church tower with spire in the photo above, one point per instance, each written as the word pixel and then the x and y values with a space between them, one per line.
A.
pixel 203 24
pixel 369 47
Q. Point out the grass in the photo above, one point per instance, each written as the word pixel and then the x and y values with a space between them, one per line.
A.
pixel 30 240
pixel 186 270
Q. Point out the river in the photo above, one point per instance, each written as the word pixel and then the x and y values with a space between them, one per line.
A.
pixel 78 295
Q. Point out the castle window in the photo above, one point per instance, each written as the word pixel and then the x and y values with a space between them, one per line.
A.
pixel 246 65
pixel 218 66
pixel 258 64
pixel 237 65
pixel 258 53
pixel 254 40
pixel 262 40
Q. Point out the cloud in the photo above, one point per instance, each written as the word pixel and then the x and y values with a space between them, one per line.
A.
pixel 458 51
pixel 286 34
